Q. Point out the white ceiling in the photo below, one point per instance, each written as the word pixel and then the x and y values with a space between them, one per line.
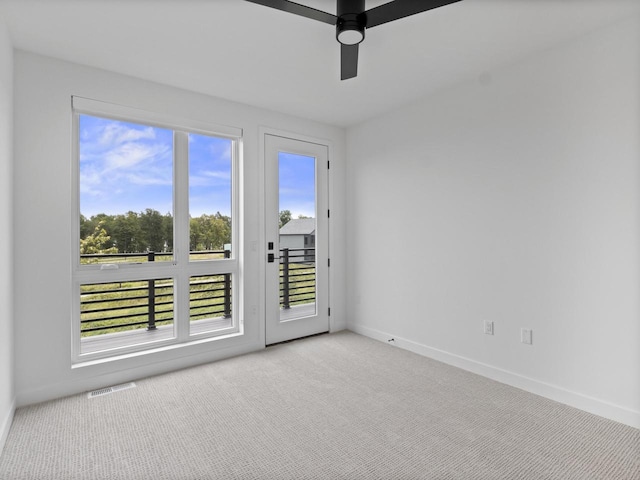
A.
pixel 271 59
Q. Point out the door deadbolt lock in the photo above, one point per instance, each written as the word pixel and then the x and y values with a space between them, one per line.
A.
pixel 271 257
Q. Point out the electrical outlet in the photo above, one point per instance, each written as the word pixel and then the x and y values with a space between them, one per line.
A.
pixel 488 327
pixel 526 336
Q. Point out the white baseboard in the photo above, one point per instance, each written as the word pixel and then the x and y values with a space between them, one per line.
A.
pixel 5 426
pixel 574 399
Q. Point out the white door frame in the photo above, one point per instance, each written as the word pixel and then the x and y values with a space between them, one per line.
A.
pixel 312 147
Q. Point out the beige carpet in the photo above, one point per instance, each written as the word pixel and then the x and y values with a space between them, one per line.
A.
pixel 338 406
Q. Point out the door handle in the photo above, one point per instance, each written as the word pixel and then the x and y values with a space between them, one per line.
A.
pixel 271 257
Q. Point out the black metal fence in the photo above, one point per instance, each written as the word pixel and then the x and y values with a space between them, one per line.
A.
pixel 110 307
pixel 119 306
pixel 297 276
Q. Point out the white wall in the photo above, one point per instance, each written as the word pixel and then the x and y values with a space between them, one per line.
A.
pixel 43 89
pixel 6 234
pixel 512 198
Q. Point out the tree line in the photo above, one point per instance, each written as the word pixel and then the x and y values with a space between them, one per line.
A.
pixel 149 231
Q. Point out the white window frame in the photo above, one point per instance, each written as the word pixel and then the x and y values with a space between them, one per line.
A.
pixel 181 268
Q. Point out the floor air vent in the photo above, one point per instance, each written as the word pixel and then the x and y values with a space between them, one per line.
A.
pixel 108 390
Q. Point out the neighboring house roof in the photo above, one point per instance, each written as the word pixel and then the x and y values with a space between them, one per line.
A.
pixel 299 226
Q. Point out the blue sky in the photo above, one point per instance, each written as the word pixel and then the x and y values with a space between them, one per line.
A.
pixel 127 166
pixel 209 175
pixel 297 184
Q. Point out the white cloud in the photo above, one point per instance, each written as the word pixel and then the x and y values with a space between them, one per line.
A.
pixel 116 133
pixel 210 178
pixel 150 178
pixel 131 154
pixel 120 161
pixel 221 150
pixel 90 182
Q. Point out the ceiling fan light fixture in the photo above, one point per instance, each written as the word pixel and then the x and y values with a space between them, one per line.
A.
pixel 352 19
pixel 349 31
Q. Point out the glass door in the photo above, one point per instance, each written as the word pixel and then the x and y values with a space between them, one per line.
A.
pixel 297 240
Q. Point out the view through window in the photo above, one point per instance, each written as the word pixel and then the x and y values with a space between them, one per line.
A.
pixel 155 211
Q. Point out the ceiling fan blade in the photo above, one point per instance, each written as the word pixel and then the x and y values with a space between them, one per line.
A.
pixel 348 61
pixel 296 8
pixel 400 9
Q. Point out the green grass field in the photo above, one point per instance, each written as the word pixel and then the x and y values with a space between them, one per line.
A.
pixel 117 307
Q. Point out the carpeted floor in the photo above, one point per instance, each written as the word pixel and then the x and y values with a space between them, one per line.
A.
pixel 337 406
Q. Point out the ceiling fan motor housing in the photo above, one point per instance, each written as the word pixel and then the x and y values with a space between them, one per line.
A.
pixel 351 22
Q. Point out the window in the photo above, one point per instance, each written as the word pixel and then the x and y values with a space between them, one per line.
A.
pixel 156 228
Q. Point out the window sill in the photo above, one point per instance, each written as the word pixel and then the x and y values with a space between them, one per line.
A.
pixel 82 363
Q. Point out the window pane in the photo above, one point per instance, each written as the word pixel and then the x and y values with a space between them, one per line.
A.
pixel 126 191
pixel 210 303
pixel 122 314
pixel 210 171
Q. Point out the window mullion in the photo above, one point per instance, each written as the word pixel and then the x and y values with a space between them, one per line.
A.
pixel 181 232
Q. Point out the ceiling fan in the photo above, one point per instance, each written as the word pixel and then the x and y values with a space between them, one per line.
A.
pixel 352 20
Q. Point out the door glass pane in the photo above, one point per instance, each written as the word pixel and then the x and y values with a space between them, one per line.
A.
pixel 297 235
pixel 126 192
pixel 209 197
